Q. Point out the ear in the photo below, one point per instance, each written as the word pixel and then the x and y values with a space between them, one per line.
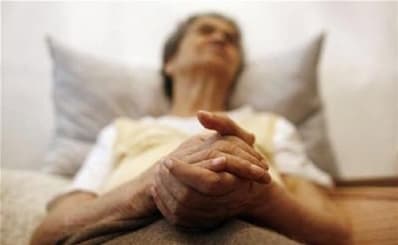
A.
pixel 169 67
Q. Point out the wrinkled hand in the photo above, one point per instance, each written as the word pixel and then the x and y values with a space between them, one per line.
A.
pixel 210 177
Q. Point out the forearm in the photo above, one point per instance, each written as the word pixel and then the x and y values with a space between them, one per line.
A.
pixel 129 201
pixel 313 221
pixel 63 219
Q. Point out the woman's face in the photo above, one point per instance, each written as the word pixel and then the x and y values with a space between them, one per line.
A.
pixel 209 43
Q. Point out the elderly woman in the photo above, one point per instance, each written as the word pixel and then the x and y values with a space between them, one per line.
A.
pixel 200 165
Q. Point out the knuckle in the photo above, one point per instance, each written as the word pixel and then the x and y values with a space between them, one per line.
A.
pixel 211 153
pixel 233 138
pixel 171 164
pixel 219 144
pixel 234 148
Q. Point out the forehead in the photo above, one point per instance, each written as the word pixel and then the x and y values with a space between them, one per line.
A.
pixel 215 22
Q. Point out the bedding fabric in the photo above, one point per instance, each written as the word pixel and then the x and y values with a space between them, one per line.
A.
pixel 24 195
pixel 89 93
pixel 139 144
pixel 161 232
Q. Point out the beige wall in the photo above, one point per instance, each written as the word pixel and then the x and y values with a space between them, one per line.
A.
pixel 358 73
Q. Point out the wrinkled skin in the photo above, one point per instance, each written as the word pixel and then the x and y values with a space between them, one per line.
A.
pixel 210 177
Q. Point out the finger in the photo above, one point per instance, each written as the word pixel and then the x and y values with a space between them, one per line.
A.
pixel 244 146
pixel 204 181
pixel 168 213
pixel 228 144
pixel 198 178
pixel 181 214
pixel 217 164
pixel 248 157
pixel 162 208
pixel 181 192
pixel 193 144
pixel 191 197
pixel 235 149
pixel 235 165
pixel 228 182
pixel 186 196
pixel 244 169
pixel 224 125
pixel 167 199
pixel 205 206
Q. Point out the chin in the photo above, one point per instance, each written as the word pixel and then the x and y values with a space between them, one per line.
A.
pixel 217 63
pixel 217 68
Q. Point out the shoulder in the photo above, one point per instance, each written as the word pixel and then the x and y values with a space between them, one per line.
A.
pixel 276 125
pixel 122 121
pixel 109 132
pixel 281 122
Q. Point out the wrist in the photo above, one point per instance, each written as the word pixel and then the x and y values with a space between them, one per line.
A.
pixel 264 202
pixel 133 199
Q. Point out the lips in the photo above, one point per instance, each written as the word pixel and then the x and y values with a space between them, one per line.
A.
pixel 217 49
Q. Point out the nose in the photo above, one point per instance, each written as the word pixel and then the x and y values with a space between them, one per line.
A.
pixel 219 37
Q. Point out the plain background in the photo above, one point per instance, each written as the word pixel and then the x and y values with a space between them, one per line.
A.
pixel 359 77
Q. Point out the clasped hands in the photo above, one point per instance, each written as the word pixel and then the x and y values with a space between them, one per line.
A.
pixel 210 177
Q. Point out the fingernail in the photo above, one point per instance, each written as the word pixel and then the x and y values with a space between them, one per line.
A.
pixel 217 161
pixel 256 170
pixel 205 113
pixel 168 162
pixel 252 138
pixel 264 164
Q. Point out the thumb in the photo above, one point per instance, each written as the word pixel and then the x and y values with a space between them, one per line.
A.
pixel 224 125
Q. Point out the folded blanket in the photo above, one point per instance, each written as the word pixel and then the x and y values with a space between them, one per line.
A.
pixel 161 232
pixel 373 213
pixel 24 195
pixel 101 233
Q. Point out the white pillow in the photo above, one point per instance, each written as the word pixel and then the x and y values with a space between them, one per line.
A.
pixel 285 83
pixel 89 93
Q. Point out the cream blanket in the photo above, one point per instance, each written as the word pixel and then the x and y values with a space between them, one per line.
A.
pixel 139 145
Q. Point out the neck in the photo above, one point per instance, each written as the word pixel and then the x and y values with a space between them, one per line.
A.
pixel 199 92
